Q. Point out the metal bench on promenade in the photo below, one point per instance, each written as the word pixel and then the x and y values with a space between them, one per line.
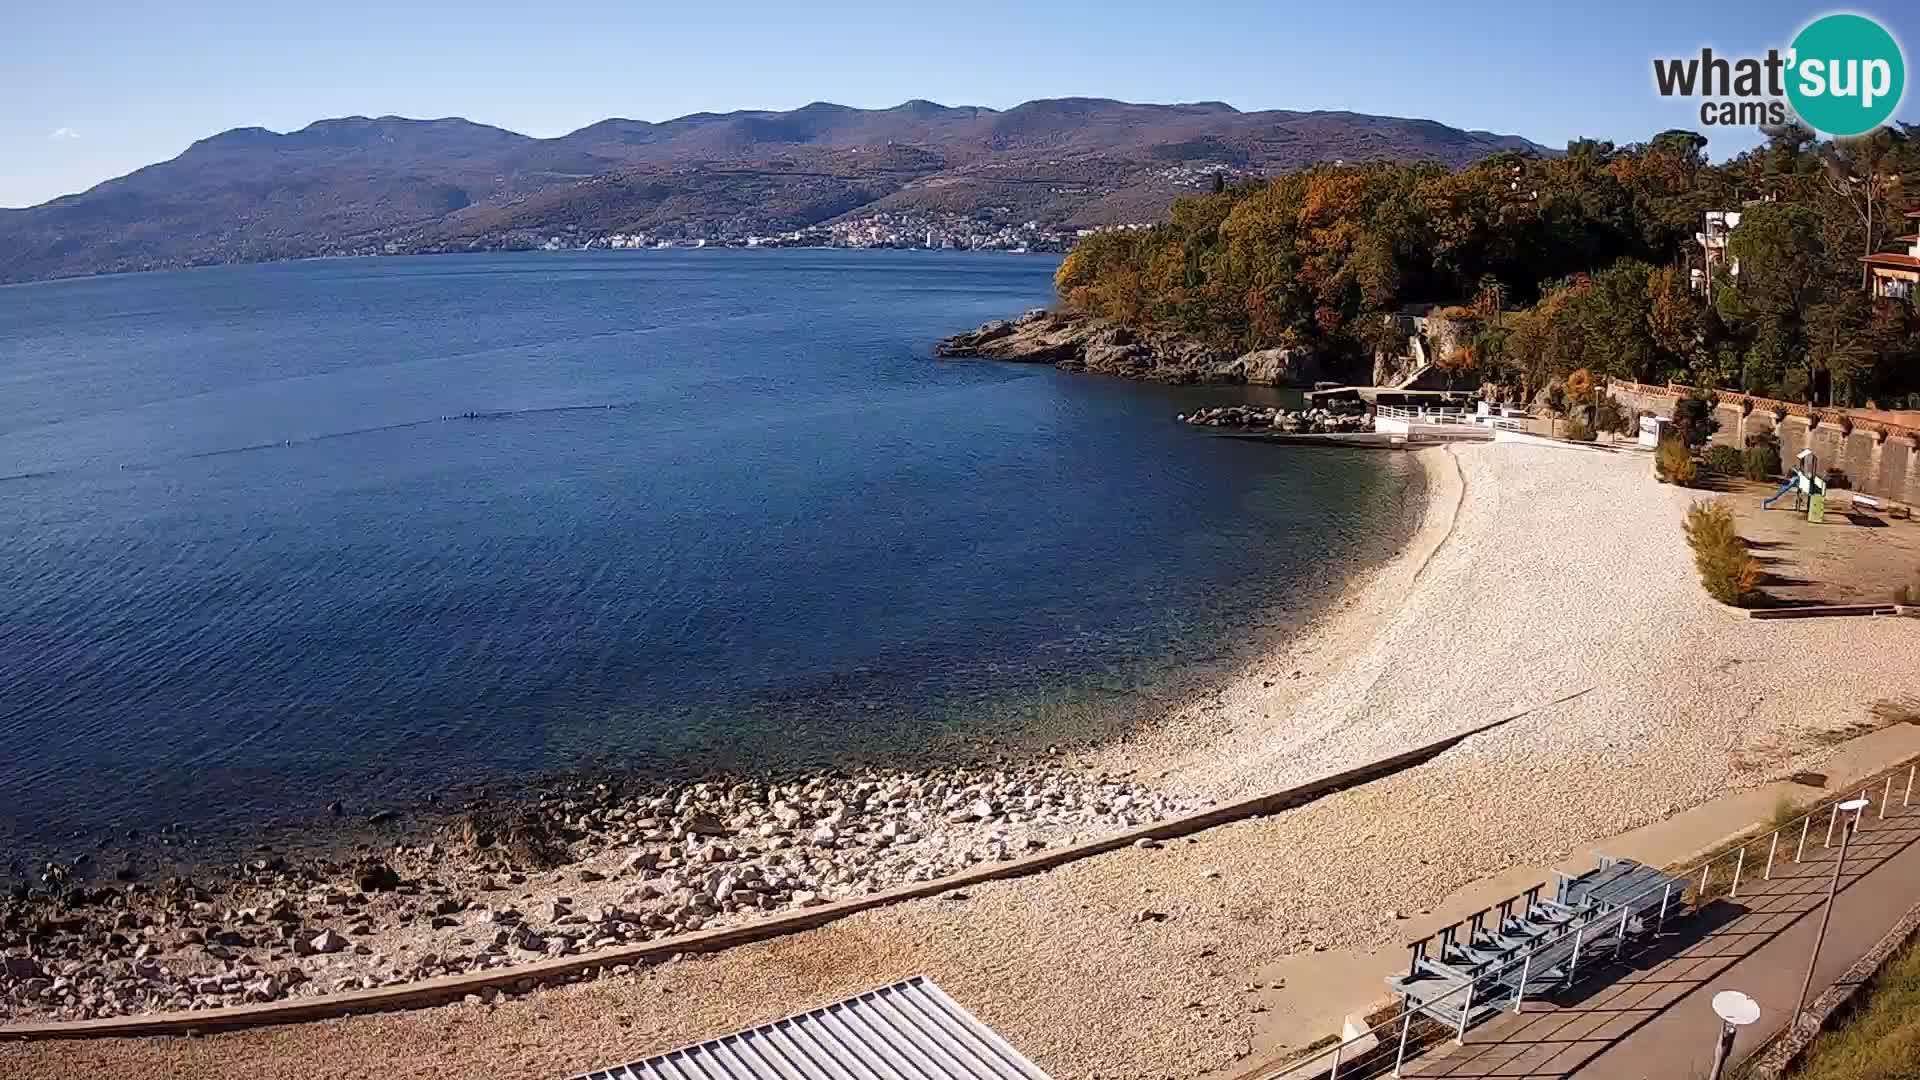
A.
pixel 1528 945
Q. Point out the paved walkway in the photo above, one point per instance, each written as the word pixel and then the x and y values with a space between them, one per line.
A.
pixel 1650 1018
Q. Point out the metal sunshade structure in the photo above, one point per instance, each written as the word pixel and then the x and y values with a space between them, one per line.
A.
pixel 908 1031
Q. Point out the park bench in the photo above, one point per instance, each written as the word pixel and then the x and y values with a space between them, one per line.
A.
pixel 1529 945
pixel 1441 964
pixel 1615 903
pixel 1612 883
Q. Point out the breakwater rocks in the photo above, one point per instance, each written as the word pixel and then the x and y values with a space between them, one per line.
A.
pixel 1076 342
pixel 1303 422
pixel 496 886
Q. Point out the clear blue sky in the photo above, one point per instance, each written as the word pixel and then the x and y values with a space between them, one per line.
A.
pixel 92 90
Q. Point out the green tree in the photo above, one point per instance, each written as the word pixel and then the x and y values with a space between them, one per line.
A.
pixel 1782 262
pixel 1579 261
pixel 1840 342
pixel 1693 420
pixel 1858 185
pixel 1674 316
pixel 1614 315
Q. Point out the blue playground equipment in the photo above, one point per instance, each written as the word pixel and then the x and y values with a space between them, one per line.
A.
pixel 1808 488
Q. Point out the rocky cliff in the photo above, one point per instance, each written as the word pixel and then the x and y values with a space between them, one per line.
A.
pixel 1075 342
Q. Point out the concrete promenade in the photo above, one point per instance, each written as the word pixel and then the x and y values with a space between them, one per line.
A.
pixel 1649 1017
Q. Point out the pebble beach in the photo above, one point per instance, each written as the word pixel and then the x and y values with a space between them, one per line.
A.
pixel 1547 585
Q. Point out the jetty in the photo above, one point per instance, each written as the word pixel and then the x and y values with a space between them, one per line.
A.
pixel 1398 427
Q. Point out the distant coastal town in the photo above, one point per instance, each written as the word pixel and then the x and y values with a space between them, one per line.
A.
pixel 883 230
pixel 985 231
pixel 988 228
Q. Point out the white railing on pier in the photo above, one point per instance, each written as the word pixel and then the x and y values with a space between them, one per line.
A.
pixel 1424 416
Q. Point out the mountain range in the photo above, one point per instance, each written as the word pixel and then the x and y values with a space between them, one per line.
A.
pixel 357 185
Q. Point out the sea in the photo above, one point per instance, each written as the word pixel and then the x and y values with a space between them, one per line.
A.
pixel 368 530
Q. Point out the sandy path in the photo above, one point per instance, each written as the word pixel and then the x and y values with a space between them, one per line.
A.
pixel 1564 570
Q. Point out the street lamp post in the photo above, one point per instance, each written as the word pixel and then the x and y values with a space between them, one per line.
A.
pixel 1851 806
pixel 1736 1010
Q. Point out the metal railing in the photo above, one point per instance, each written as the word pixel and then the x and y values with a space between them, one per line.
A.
pixel 1445 417
pixel 1423 417
pixel 1385 1048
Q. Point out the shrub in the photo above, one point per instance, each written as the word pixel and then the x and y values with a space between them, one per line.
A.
pixel 1763 463
pixel 1693 420
pixel 1763 456
pixel 1672 464
pixel 1579 430
pixel 1875 1038
pixel 1724 460
pixel 1608 416
pixel 1730 575
pixel 1908 593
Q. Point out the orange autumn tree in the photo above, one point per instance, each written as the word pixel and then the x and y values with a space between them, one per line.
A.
pixel 1579 388
pixel 1590 251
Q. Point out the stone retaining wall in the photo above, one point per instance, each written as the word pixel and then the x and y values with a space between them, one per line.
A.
pixel 1879 459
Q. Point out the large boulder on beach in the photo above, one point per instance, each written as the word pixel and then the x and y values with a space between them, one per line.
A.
pixel 1077 342
pixel 704 824
pixel 1291 366
pixel 373 875
pixel 1117 359
pixel 1178 360
pixel 1038 337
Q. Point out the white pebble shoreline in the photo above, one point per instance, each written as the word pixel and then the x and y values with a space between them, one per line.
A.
pixel 1563 571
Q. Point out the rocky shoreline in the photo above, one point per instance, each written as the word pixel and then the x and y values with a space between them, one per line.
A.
pixel 1291 422
pixel 582 864
pixel 499 885
pixel 1075 342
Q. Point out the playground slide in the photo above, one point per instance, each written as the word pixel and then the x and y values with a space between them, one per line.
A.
pixel 1796 480
pixel 1793 481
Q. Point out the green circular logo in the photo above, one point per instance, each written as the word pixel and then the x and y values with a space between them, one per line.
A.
pixel 1847 75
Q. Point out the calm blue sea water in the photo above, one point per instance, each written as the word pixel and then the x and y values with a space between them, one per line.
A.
pixel 275 535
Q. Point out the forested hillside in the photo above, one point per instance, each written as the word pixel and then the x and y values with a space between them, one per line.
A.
pixel 1555 264
pixel 360 186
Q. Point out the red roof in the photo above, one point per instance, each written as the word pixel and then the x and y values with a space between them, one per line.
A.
pixel 1896 260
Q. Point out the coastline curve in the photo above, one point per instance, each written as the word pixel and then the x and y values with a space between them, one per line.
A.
pixel 452 987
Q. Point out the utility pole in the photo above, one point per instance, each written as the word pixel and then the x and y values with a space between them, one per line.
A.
pixel 1851 806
